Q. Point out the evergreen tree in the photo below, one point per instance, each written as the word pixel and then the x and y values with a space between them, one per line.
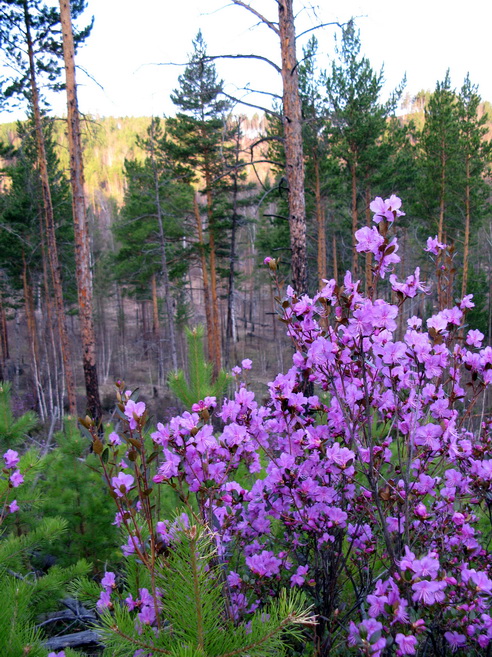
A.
pixel 30 40
pixel 152 226
pixel 358 122
pixel 475 154
pixel 196 145
pixel 23 252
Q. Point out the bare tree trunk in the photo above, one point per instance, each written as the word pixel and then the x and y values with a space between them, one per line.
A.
pixel 168 299
pixel 4 338
pixel 82 247
pixel 320 219
pixel 355 222
pixel 335 257
pixel 33 341
pixel 230 332
pixel 292 121
pixel 294 162
pixel 442 209
pixel 466 246
pixel 206 288
pixel 369 281
pixel 217 357
pixel 50 225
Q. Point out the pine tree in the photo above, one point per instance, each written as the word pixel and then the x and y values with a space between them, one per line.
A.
pixel 196 141
pixel 194 609
pixel 152 226
pixel 358 122
pixel 82 244
pixel 476 155
pixel 29 37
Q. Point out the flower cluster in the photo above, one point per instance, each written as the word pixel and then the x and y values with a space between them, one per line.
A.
pixel 371 495
pixel 13 478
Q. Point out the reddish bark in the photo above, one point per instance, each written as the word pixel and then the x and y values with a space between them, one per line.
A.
pixel 50 225
pixel 82 246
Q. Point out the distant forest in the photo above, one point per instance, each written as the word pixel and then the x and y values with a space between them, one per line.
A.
pixel 183 211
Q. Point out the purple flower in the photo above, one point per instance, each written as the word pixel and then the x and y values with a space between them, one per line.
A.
pixel 57 654
pixel 299 578
pixel 13 506
pixel 104 601
pixel 264 564
pixel 11 458
pixel 16 479
pixel 114 439
pixel 122 484
pixel 434 246
pixel 406 644
pixel 428 592
pixel 455 640
pixel 134 411
pixel 109 580
pixel 369 240
pixel 388 209
pixel 246 364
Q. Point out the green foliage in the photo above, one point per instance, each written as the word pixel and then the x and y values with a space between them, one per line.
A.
pixel 73 489
pixel 13 431
pixel 199 383
pixel 193 606
pixel 152 192
pixel 25 592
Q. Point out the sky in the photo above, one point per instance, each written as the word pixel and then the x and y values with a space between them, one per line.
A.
pixel 130 63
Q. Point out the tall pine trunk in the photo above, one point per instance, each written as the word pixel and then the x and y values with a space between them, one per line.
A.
pixel 466 246
pixel 82 247
pixel 292 120
pixel 50 224
pixel 168 299
pixel 320 220
pixel 206 287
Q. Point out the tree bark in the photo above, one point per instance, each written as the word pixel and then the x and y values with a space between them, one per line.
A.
pixel 50 224
pixel 231 331
pixel 82 246
pixel 355 222
pixel 294 162
pixel 466 246
pixel 320 219
pixel 206 287
pixel 168 299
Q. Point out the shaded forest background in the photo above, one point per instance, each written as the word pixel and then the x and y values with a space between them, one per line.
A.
pixel 214 226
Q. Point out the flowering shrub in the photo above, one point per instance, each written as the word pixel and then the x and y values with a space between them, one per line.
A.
pixel 372 496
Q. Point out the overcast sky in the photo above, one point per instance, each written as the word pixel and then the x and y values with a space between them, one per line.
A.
pixel 133 39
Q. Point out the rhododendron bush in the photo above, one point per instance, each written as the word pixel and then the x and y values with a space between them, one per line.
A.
pixel 363 480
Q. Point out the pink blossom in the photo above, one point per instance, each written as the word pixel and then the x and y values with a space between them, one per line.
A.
pixel 455 640
pixel 114 439
pixel 11 458
pixel 246 364
pixel 388 209
pixel 434 246
pixel 369 240
pixel 16 479
pixel 427 592
pixel 134 411
pixel 122 484
pixel 104 601
pixel 13 506
pixel 109 580
pixel 406 644
pixel 264 564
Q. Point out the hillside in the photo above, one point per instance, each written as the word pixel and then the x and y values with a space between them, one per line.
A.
pixel 107 142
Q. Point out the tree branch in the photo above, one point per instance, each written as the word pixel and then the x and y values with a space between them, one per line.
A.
pixel 260 57
pixel 317 27
pixel 264 20
pixel 260 107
